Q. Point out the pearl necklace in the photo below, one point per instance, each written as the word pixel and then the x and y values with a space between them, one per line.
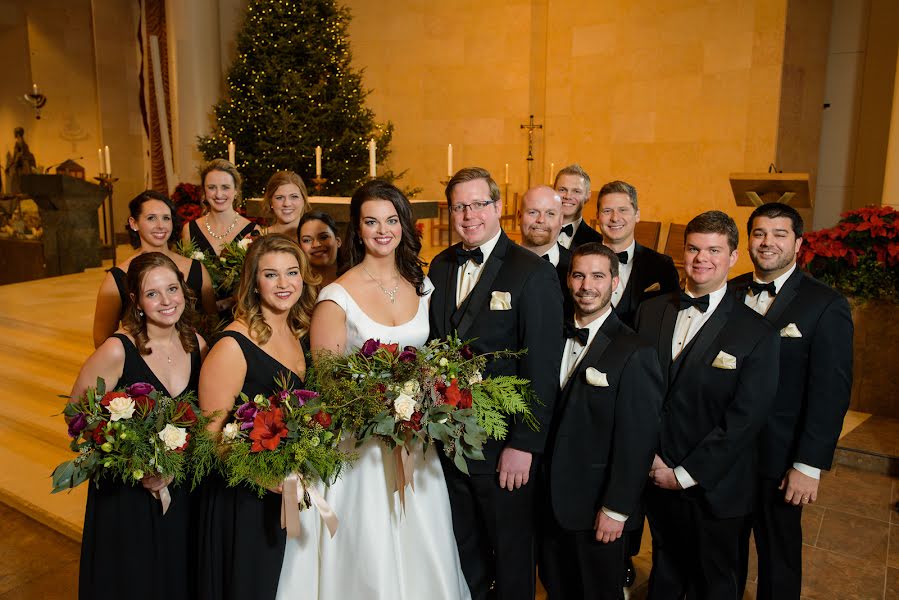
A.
pixel 227 231
pixel 391 294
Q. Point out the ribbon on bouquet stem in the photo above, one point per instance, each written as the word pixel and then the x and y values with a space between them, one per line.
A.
pixel 165 497
pixel 405 469
pixel 290 500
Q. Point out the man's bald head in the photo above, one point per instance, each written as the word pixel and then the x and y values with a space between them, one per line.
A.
pixel 541 217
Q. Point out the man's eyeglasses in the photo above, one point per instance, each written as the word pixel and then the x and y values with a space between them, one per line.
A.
pixel 474 206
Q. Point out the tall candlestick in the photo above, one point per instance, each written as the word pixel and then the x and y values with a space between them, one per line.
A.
pixel 449 160
pixel 372 159
pixel 100 160
pixel 318 161
pixel 506 180
pixel 108 164
pixel 232 152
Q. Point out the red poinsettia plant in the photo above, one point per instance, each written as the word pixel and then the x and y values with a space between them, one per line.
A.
pixel 859 255
pixel 188 200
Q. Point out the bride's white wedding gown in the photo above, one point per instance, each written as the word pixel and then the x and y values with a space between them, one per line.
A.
pixel 380 551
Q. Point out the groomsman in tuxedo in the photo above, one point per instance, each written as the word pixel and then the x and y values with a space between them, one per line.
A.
pixel 501 296
pixel 801 434
pixel 573 185
pixel 720 360
pixel 643 273
pixel 540 220
pixel 603 437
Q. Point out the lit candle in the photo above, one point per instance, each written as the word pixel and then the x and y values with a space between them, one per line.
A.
pixel 372 159
pixel 552 171
pixel 449 160
pixel 507 174
pixel 34 89
pixel 108 164
pixel 318 162
pixel 232 151
pixel 100 160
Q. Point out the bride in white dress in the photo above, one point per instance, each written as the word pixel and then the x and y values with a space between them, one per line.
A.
pixel 380 551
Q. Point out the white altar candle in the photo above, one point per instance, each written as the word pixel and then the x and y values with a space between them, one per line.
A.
pixel 372 159
pixel 232 152
pixel 506 180
pixel 100 160
pixel 552 171
pixel 449 160
pixel 108 163
pixel 34 89
pixel 318 162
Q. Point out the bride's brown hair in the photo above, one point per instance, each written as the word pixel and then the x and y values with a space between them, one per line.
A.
pixel 249 307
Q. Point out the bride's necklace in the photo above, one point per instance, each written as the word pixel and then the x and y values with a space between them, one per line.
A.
pixel 391 294
pixel 226 232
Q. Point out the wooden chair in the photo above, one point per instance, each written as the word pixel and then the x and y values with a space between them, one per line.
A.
pixel 647 233
pixel 509 218
pixel 674 247
pixel 440 224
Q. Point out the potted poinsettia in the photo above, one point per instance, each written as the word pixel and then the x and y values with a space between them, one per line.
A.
pixel 859 256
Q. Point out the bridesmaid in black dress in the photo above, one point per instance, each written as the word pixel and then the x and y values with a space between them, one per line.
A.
pixel 220 223
pixel 129 549
pixel 151 228
pixel 241 541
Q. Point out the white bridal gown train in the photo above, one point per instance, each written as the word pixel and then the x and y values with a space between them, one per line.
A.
pixel 380 551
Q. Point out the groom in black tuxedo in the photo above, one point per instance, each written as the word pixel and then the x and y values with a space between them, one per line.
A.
pixel 603 437
pixel 801 434
pixel 501 296
pixel 720 359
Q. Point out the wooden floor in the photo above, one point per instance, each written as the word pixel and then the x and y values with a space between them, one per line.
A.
pixel 45 335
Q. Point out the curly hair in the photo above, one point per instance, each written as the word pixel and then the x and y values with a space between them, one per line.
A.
pixel 275 181
pixel 408 263
pixel 134 321
pixel 220 164
pixel 249 308
pixel 136 207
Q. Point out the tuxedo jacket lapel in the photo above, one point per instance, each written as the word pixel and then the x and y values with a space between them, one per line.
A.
pixel 783 298
pixel 450 281
pixel 480 295
pixel 600 342
pixel 703 339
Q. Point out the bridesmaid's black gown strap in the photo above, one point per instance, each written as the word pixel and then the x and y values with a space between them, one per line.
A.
pixel 125 520
pixel 241 540
pixel 199 239
pixel 194 281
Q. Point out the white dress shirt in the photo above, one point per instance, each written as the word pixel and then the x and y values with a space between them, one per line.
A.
pixel 760 303
pixel 624 274
pixel 565 239
pixel 553 255
pixel 689 322
pixel 470 272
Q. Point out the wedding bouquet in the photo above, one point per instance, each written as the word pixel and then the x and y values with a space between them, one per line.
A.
pixel 267 439
pixel 224 269
pixel 129 433
pixel 433 393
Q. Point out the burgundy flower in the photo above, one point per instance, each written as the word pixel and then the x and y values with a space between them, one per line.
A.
pixel 246 412
pixel 140 389
pixel 77 425
pixel 304 396
pixel 369 348
pixel 408 354
pixel 323 419
pixel 466 352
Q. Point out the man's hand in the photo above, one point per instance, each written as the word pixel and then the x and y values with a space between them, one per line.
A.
pixel 607 528
pixel 514 468
pixel 657 463
pixel 799 488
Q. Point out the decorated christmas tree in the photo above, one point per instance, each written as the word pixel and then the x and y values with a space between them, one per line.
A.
pixel 292 88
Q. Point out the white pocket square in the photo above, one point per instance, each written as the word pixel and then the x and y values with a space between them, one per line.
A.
pixel 500 301
pixel 597 378
pixel 725 361
pixel 653 288
pixel 791 331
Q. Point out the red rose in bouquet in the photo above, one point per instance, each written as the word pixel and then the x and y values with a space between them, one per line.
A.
pixel 143 404
pixel 99 434
pixel 110 396
pixel 322 418
pixel 453 394
pixel 268 429
pixel 185 414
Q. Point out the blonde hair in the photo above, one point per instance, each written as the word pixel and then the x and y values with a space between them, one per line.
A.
pixel 249 308
pixel 277 180
pixel 220 164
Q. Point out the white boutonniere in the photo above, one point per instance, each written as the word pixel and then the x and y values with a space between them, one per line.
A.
pixel 653 288
pixel 597 378
pixel 725 361
pixel 500 301
pixel 791 331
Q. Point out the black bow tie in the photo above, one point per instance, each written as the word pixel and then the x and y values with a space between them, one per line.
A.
pixel 463 256
pixel 546 257
pixel 581 334
pixel 622 257
pixel 568 230
pixel 701 303
pixel 757 288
